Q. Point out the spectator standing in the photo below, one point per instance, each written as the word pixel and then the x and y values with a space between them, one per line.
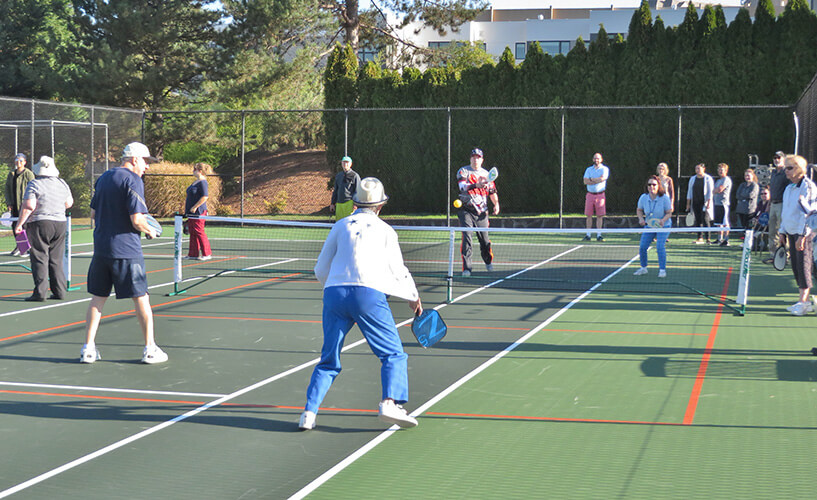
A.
pixel 777 186
pixel 721 199
pixel 666 182
pixel 195 205
pixel 360 264
pixel 16 183
pixel 118 210
pixel 699 200
pixel 346 183
pixel 43 216
pixel 475 191
pixel 595 178
pixel 747 195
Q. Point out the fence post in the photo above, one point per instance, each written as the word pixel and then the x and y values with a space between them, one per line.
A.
pixel 678 184
pixel 91 157
pixel 345 131
pixel 32 132
pixel 243 129
pixel 448 173
pixel 562 170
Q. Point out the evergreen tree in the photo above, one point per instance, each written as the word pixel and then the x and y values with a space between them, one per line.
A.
pixel 739 59
pixel 797 49
pixel 151 55
pixel 37 45
pixel 764 47
pixel 686 37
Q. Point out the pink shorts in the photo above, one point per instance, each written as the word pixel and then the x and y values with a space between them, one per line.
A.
pixel 594 202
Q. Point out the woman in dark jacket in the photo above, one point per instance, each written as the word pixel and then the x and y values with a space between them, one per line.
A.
pixel 747 194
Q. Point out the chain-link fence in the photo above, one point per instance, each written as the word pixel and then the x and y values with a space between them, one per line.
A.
pixel 285 161
pixel 806 121
pixel 83 140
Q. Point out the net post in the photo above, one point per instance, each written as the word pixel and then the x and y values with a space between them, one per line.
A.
pixel 66 258
pixel 743 281
pixel 449 280
pixel 178 225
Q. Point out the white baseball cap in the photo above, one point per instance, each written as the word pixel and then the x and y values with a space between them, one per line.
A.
pixel 138 150
pixel 370 193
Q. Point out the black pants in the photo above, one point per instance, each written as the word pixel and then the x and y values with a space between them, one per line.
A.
pixel 801 262
pixel 47 240
pixel 745 220
pixel 701 218
pixel 469 219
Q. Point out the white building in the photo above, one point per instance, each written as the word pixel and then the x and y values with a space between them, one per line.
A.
pixel 557 24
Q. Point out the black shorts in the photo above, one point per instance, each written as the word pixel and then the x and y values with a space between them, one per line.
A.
pixel 126 276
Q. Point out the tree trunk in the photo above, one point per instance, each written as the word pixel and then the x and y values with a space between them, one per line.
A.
pixel 351 23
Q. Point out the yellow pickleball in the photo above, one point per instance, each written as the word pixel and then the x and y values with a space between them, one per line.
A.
pixel 457 203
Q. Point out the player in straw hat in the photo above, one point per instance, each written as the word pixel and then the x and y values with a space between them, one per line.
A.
pixel 360 264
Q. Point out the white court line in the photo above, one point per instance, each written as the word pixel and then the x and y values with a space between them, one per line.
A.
pixel 114 446
pixel 320 480
pixel 109 389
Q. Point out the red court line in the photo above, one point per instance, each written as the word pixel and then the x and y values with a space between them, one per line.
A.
pixel 154 306
pixel 689 416
pixel 148 272
pixel 353 410
pixel 236 318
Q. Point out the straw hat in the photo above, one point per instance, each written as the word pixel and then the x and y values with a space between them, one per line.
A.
pixel 370 193
pixel 45 167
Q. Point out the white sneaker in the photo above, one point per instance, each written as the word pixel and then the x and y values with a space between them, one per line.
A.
pixel 802 308
pixel 152 355
pixel 662 273
pixel 187 257
pixel 489 267
pixel 205 257
pixel 791 307
pixel 393 413
pixel 466 273
pixel 307 421
pixel 89 355
pixel 640 271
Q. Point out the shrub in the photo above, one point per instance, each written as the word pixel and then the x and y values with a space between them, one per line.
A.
pixel 165 193
pixel 278 204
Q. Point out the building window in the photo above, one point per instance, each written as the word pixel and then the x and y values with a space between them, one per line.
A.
pixel 438 45
pixel 610 36
pixel 365 55
pixel 553 47
pixel 521 50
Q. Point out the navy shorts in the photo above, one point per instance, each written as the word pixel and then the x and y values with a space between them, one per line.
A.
pixel 126 276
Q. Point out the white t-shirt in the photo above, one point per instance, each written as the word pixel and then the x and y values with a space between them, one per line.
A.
pixel 592 172
pixel 362 250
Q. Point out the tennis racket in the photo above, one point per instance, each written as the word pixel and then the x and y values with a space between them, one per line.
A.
pixel 428 328
pixel 690 219
pixel 780 258
pixel 5 219
pixel 493 174
pixel 154 224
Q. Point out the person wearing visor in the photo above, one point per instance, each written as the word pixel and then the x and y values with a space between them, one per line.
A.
pixel 359 266
pixel 475 191
pixel 118 210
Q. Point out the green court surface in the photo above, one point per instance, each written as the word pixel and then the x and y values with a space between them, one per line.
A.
pixel 606 395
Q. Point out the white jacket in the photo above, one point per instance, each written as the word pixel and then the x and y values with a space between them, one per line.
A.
pixel 362 250
pixel 709 186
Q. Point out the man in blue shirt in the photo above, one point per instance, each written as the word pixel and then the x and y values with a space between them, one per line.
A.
pixel 118 209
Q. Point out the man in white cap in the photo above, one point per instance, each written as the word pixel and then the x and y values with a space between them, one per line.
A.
pixel 360 264
pixel 118 209
pixel 16 183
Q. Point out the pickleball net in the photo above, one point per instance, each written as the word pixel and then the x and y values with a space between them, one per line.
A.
pixel 523 259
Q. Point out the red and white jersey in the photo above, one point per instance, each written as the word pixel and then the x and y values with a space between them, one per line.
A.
pixel 478 197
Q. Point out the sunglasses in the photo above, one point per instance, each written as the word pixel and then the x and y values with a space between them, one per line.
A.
pixel 789 168
pixel 651 184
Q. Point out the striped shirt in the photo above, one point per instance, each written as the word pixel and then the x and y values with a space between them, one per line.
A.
pixel 51 195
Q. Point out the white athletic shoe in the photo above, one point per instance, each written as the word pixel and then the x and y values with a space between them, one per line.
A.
pixel 393 413
pixel 89 355
pixel 662 273
pixel 489 267
pixel 640 271
pixel 802 308
pixel 153 354
pixel 205 257
pixel 308 420
pixel 791 307
pixel 466 273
